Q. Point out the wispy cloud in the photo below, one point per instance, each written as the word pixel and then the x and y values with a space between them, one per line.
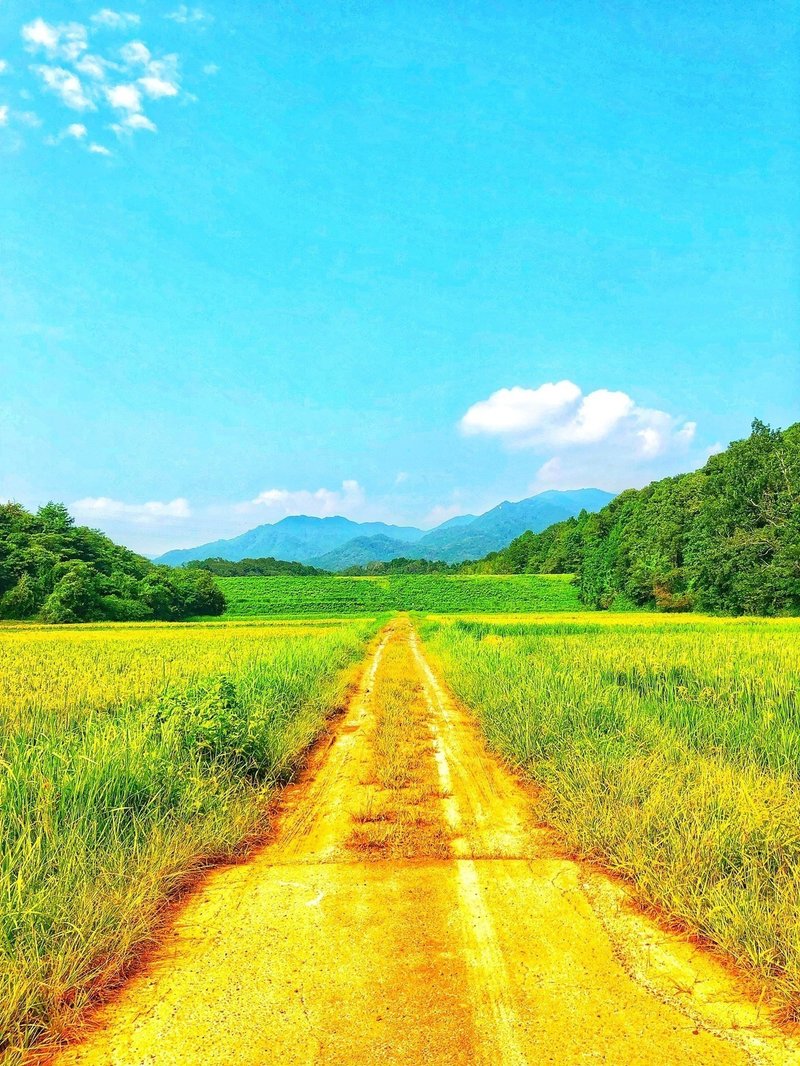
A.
pixel 184 15
pixel 321 503
pixel 103 508
pixel 4 114
pixel 66 85
pixel 89 71
pixel 76 131
pixel 115 20
pixel 4 66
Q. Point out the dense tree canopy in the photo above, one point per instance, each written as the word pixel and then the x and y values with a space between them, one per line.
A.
pixel 266 567
pixel 724 538
pixel 55 571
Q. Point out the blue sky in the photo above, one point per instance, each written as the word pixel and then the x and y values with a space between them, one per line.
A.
pixel 393 260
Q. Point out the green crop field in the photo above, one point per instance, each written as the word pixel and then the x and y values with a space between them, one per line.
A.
pixel 668 748
pixel 341 596
pixel 130 756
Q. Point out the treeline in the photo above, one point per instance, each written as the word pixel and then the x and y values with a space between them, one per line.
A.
pixel 55 571
pixel 267 567
pixel 724 538
pixel 401 566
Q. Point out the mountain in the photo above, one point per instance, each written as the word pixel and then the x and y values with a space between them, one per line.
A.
pixel 338 543
pixel 298 538
pixel 362 550
pixel 496 529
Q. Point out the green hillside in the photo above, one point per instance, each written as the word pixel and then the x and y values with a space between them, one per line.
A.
pixel 336 596
pixel 723 538
pixel 55 571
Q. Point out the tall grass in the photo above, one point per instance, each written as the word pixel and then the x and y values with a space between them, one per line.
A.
pixel 131 756
pixel 669 750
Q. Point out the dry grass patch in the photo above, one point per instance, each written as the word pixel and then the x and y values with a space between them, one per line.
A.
pixel 400 816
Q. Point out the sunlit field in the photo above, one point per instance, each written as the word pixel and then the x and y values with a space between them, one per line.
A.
pixel 132 756
pixel 326 596
pixel 668 748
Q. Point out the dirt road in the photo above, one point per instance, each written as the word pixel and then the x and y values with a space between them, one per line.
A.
pixel 409 910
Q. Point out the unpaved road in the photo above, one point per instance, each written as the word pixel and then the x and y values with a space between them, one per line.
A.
pixel 423 920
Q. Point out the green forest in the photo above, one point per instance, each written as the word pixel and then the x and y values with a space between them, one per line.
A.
pixel 266 567
pixel 55 571
pixel 724 538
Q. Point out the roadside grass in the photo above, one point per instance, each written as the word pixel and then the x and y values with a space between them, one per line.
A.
pixel 342 596
pixel 668 750
pixel 132 757
pixel 400 816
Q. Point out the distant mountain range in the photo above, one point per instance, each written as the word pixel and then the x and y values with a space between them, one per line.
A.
pixel 338 543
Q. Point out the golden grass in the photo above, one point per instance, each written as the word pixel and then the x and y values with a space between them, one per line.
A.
pixel 132 756
pixel 669 750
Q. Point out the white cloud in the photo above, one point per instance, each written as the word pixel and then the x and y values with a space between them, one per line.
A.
pixel 98 149
pixel 93 66
pixel 401 477
pixel 185 14
pixel 211 68
pixel 139 122
pixel 115 20
pixel 75 131
pixel 321 503
pixel 67 40
pixel 66 85
pixel 3 114
pixel 3 66
pixel 102 508
pixel 135 53
pixel 155 88
pixel 124 97
pixel 560 415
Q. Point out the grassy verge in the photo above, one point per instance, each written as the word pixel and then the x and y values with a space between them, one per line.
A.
pixel 669 750
pixel 130 758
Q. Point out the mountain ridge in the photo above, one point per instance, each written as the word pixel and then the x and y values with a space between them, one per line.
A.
pixel 337 542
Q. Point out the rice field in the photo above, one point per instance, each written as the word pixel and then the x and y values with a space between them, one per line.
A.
pixel 132 756
pixel 668 749
pixel 341 596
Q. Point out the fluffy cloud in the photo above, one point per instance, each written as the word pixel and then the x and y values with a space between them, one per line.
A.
pixel 155 88
pixel 104 509
pixel 67 40
pixel 4 66
pixel 116 79
pixel 124 97
pixel 321 503
pixel 559 415
pixel 67 85
pixel 115 20
pixel 3 114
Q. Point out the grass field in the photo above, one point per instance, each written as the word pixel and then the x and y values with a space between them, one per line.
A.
pixel 668 748
pixel 341 596
pixel 132 755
